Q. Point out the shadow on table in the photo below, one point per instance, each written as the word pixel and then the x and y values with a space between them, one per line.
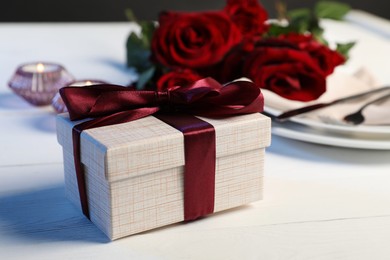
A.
pixel 41 118
pixel 12 101
pixel 324 153
pixel 47 216
pixel 44 123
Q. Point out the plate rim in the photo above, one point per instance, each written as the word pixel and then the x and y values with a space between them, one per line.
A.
pixel 329 139
pixel 360 129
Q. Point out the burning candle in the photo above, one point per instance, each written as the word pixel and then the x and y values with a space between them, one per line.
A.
pixel 38 82
pixel 58 103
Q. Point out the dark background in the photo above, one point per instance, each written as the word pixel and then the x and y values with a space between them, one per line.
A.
pixel 113 10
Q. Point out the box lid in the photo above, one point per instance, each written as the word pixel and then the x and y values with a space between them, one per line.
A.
pixel 148 145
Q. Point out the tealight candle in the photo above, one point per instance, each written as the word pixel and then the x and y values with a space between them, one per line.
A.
pixel 38 82
pixel 58 103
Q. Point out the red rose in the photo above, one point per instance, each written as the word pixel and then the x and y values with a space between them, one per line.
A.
pixel 193 40
pixel 248 15
pixel 176 78
pixel 231 67
pixel 326 58
pixel 289 72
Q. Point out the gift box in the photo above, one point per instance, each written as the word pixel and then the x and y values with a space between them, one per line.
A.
pixel 134 171
pixel 139 160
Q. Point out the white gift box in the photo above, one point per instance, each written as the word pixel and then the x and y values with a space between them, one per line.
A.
pixel 134 171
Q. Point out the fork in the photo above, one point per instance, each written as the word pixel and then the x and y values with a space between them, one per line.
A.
pixel 302 110
pixel 357 117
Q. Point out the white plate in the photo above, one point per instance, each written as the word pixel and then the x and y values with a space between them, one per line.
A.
pixel 303 133
pixel 361 130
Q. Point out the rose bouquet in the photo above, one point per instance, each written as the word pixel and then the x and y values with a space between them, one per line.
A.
pixel 288 55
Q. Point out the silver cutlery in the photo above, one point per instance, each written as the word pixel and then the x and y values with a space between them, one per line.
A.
pixel 294 112
pixel 357 117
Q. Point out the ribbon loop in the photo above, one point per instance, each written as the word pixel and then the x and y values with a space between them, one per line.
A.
pixel 205 97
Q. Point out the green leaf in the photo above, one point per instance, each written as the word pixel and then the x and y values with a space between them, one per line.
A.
pixel 344 48
pixel 138 45
pixel 137 55
pixel 147 30
pixel 299 19
pixel 276 30
pixel 145 77
pixel 318 34
pixel 331 10
pixel 130 15
pixel 299 14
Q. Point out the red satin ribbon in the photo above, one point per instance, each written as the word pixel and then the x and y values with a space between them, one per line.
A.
pixel 110 104
pixel 199 167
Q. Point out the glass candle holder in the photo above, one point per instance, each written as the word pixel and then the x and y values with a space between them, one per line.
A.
pixel 58 103
pixel 38 82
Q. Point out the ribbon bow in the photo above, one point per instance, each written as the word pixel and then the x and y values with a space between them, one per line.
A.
pixel 111 104
pixel 206 97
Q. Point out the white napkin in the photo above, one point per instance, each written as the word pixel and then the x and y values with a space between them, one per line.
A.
pixel 340 84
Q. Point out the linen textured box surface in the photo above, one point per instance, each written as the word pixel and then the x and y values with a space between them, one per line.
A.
pixel 134 171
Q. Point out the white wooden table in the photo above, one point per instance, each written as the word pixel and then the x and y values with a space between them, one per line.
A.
pixel 320 202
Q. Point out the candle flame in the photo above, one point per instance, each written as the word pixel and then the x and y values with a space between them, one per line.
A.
pixel 88 83
pixel 40 67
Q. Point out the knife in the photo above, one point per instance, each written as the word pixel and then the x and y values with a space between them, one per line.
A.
pixel 302 110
